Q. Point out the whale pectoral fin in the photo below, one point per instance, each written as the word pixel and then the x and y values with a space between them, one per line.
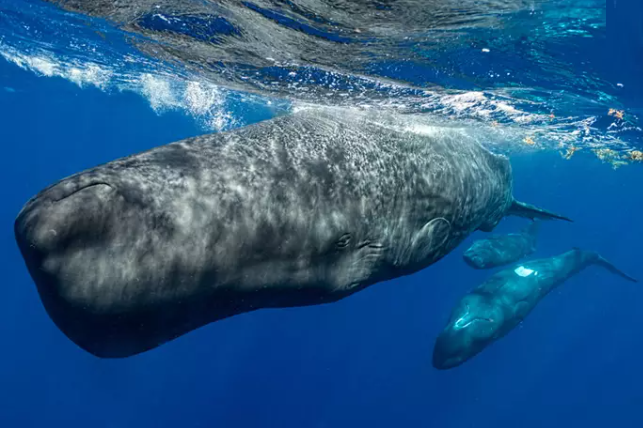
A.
pixel 521 209
pixel 521 310
pixel 428 242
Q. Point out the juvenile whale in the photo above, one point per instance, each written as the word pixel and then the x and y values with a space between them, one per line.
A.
pixel 499 304
pixel 299 210
pixel 500 250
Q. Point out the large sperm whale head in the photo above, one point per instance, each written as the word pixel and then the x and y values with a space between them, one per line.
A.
pixel 473 325
pixel 110 249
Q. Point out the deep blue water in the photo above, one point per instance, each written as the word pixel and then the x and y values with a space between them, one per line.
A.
pixel 364 361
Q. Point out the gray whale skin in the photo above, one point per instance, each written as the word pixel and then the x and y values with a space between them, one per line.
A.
pixel 499 250
pixel 299 210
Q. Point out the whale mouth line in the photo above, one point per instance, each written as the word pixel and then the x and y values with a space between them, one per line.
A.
pixel 458 325
pixel 94 184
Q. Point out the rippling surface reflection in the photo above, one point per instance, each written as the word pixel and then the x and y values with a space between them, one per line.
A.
pixel 523 75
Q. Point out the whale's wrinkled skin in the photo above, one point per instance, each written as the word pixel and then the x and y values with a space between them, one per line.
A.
pixel 498 305
pixel 299 210
pixel 500 250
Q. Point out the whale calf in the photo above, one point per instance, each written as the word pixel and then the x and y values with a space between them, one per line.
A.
pixel 495 307
pixel 298 210
pixel 500 250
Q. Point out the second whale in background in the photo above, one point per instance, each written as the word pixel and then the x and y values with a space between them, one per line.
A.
pixel 500 250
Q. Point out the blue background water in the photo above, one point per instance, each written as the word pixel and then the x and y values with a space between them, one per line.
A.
pixel 364 361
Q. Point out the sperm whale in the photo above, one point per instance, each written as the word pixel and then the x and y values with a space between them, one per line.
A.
pixel 499 250
pixel 299 210
pixel 498 305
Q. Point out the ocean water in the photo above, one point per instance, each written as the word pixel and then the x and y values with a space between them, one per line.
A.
pixel 533 79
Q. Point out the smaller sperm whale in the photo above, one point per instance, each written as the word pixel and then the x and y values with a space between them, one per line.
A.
pixel 499 250
pixel 495 307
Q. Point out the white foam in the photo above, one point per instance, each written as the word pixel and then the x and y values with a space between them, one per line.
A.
pixel 204 101
pixel 478 104
pixel 44 64
pixel 477 113
pixel 158 92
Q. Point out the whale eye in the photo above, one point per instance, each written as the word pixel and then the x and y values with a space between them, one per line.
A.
pixel 343 241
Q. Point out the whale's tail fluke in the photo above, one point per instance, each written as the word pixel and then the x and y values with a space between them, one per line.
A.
pixel 601 261
pixel 521 209
pixel 592 257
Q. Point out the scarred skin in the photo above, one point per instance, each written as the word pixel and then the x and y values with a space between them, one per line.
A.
pixel 299 210
pixel 498 305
